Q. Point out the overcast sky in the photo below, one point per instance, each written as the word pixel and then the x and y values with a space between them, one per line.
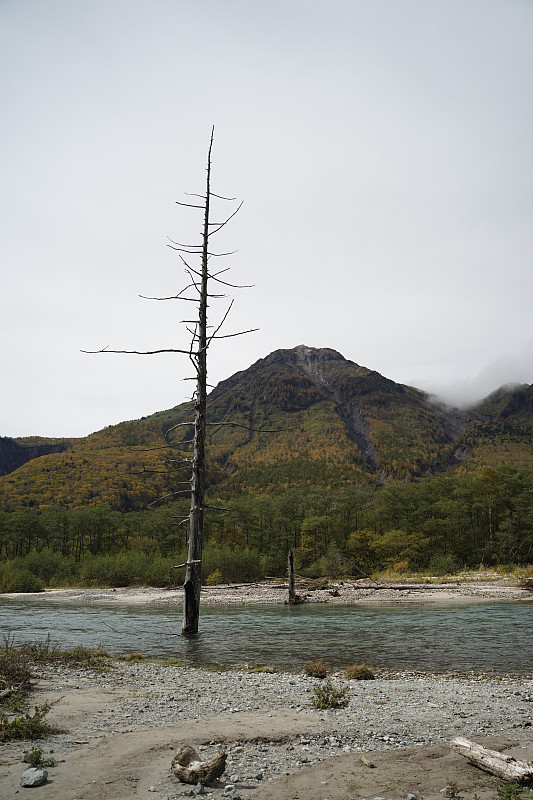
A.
pixel 383 151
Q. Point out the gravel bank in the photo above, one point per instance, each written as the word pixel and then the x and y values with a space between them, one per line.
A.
pixel 121 729
pixel 268 592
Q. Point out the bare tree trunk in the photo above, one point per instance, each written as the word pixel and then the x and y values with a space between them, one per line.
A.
pixel 193 575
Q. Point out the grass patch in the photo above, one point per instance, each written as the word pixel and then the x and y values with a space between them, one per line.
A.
pixel 268 668
pixel 134 658
pixel 47 652
pixel 16 721
pixel 360 672
pixel 315 669
pixel 510 791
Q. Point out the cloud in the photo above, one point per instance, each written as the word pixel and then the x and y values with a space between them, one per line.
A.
pixel 514 368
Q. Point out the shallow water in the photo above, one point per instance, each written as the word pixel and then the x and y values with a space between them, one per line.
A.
pixel 482 636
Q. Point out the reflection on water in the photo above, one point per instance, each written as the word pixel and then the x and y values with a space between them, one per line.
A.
pixel 482 637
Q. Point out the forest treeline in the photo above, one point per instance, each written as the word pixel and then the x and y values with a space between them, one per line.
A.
pixel 439 523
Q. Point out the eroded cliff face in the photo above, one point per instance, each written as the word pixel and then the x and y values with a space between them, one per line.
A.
pixel 13 455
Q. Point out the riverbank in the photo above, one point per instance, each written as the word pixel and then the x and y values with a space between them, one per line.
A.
pixel 270 592
pixel 121 729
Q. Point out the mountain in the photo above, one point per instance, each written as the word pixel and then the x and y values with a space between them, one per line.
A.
pixel 296 417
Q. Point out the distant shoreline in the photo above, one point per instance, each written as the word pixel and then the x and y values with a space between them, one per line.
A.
pixel 267 592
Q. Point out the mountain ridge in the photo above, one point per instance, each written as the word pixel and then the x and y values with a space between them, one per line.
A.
pixel 333 420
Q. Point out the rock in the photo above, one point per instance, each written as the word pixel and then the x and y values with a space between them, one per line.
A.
pixel 188 767
pixel 410 796
pixel 34 777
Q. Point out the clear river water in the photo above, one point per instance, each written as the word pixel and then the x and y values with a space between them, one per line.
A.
pixel 483 637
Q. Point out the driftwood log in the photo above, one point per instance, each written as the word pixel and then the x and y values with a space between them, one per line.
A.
pixel 505 767
pixel 189 768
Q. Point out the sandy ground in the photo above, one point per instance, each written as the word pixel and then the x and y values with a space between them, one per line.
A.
pixel 270 592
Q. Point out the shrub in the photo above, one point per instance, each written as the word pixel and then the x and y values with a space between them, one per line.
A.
pixel 327 696
pixel 233 563
pixel 215 578
pixel 360 672
pixel 14 670
pixel 18 579
pixel 443 564
pixel 27 726
pixel 34 757
pixel 316 669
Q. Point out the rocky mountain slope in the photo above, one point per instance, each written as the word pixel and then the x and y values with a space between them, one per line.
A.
pixel 299 416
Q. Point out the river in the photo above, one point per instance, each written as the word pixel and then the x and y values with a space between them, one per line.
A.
pixel 484 637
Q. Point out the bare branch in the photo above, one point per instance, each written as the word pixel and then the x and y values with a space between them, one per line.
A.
pixel 188 205
pixel 137 352
pixel 194 561
pixel 179 425
pixel 170 494
pixel 181 244
pixel 177 296
pixel 212 233
pixel 224 318
pixel 233 285
pixel 186 250
pixel 239 333
pixel 247 428
pixel 184 441
pixel 221 197
pixel 220 255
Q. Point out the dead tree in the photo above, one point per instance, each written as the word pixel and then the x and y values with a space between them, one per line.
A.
pixel 290 569
pixel 199 283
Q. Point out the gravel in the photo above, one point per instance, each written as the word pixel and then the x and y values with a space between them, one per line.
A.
pixel 396 710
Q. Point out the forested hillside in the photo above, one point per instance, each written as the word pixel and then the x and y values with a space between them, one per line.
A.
pixel 355 471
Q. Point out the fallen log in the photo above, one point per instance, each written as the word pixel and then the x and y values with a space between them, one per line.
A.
pixel 506 767
pixel 189 768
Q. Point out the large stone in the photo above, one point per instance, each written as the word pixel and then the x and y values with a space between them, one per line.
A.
pixel 34 777
pixel 189 768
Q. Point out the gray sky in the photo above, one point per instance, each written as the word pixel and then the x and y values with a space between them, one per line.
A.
pixel 383 150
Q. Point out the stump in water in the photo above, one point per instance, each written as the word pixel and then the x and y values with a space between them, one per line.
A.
pixel 294 599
